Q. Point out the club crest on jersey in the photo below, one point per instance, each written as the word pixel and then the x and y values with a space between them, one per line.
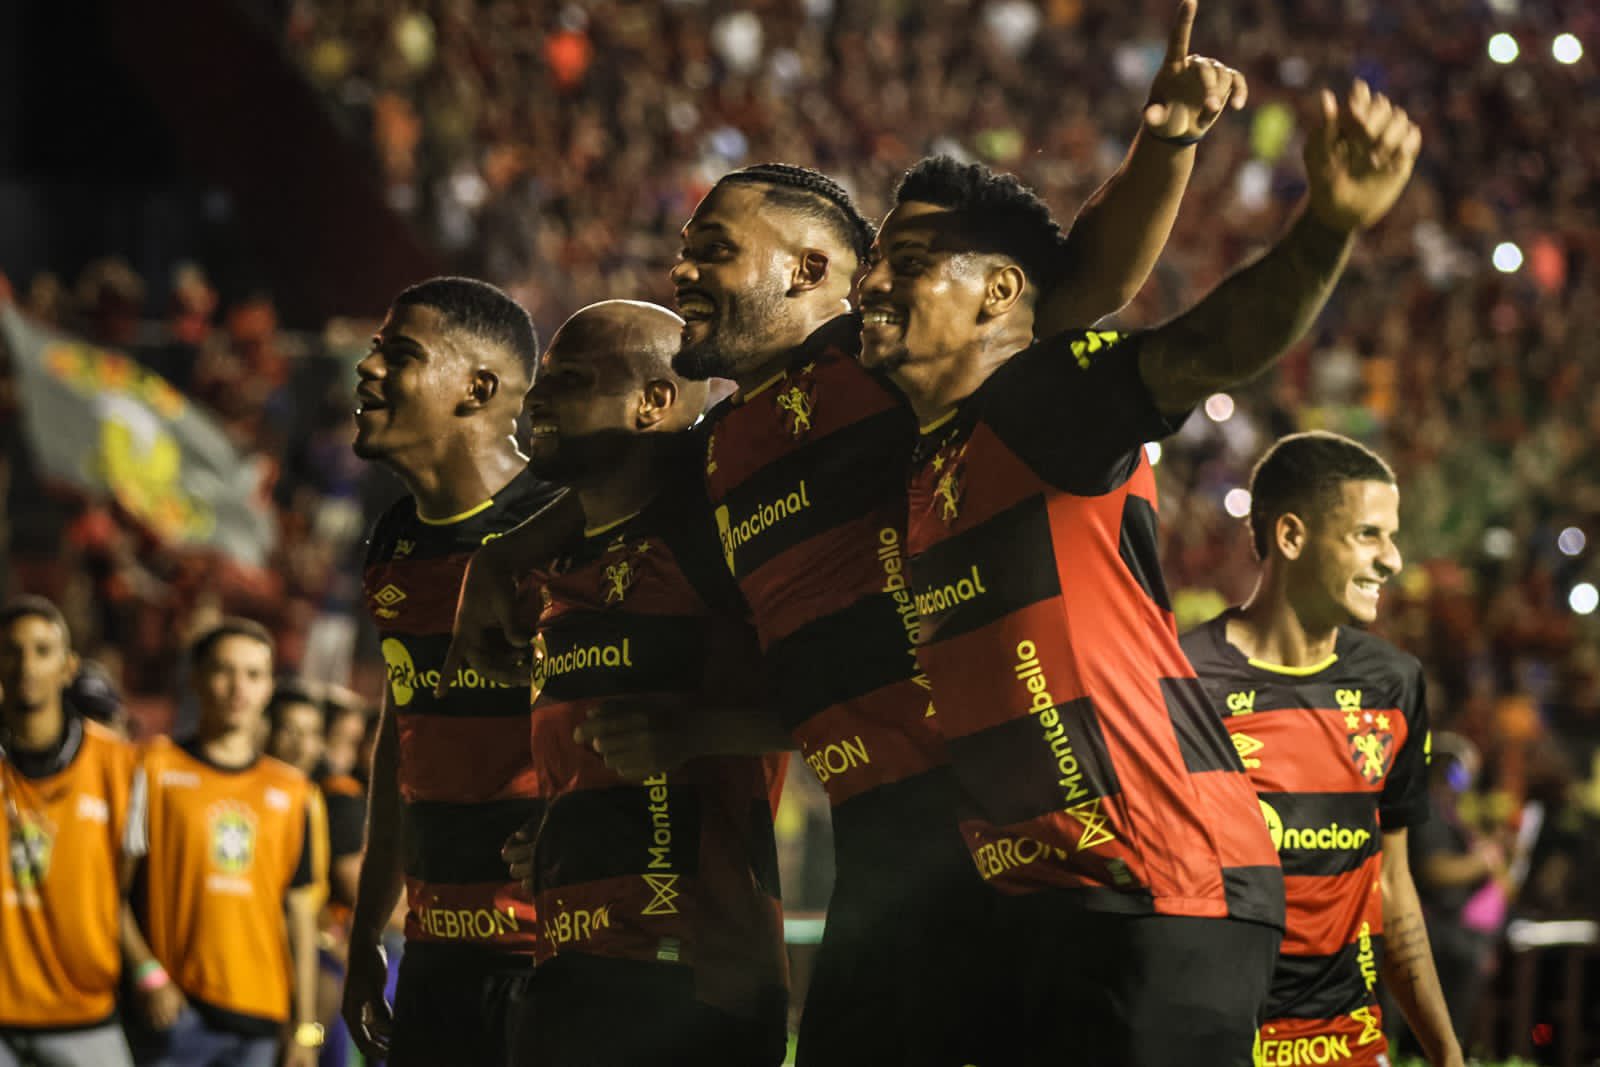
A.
pixel 1371 743
pixel 32 844
pixel 619 579
pixel 233 838
pixel 950 485
pixel 795 402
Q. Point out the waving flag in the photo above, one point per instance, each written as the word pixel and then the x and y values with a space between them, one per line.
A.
pixel 100 422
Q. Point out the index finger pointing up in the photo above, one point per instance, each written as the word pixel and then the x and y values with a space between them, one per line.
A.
pixel 1178 42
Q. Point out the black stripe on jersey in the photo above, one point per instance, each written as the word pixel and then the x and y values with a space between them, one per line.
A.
pixel 1252 891
pixel 847 654
pixel 1139 550
pixel 1021 768
pixel 1202 738
pixel 412 665
pixel 1321 834
pixel 986 573
pixel 1285 693
pixel 459 844
pixel 596 654
pixel 606 833
pixel 1320 987
pixel 844 477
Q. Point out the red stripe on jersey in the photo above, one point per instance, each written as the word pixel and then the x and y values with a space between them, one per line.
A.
pixel 883 737
pixel 822 576
pixel 1324 910
pixel 493 914
pixel 414 596
pixel 1354 1040
pixel 1296 750
pixel 465 759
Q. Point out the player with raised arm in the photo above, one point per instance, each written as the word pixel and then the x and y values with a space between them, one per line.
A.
pixel 1332 725
pixel 1099 791
pixel 660 894
pixel 440 394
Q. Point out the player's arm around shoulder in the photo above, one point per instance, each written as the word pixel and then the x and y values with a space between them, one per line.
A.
pixel 1408 969
pixel 1359 156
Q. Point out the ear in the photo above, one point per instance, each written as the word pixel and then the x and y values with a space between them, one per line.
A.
pixel 655 403
pixel 483 387
pixel 1290 535
pixel 73 663
pixel 810 272
pixel 1003 290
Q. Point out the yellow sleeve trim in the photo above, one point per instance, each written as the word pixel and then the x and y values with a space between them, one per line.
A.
pixel 940 421
pixel 596 531
pixel 750 394
pixel 463 517
pixel 1296 672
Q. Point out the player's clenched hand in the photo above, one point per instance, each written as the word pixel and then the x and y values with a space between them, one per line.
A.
pixel 1190 92
pixel 1359 156
pixel 517 853
pixel 364 1009
pixel 640 738
pixel 489 635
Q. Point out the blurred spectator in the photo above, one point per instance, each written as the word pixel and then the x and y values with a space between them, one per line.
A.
pixel 94 695
pixel 296 731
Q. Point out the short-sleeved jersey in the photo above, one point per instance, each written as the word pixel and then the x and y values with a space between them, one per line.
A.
pixel 466 777
pixel 225 846
pixel 60 887
pixel 806 477
pixel 1338 753
pixel 1087 752
pixel 681 869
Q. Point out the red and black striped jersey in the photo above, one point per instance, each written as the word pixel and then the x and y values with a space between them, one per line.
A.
pixel 466 776
pixel 681 869
pixel 1087 752
pixel 1338 753
pixel 806 476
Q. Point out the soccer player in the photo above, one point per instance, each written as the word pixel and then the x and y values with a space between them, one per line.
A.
pixel 231 837
pixel 658 898
pixel 1099 792
pixel 66 786
pixel 1332 726
pixel 452 778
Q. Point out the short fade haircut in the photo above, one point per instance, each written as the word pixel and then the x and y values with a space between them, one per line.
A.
pixel 1303 473
pixel 482 310
pixel 202 648
pixel 810 193
pixel 291 691
pixel 28 606
pixel 998 213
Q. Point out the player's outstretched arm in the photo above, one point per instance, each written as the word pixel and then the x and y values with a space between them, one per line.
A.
pixel 640 738
pixel 365 1011
pixel 1408 969
pixel 1120 231
pixel 488 635
pixel 1359 156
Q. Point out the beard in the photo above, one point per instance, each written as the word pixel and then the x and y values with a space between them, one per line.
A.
pixel 584 459
pixel 735 341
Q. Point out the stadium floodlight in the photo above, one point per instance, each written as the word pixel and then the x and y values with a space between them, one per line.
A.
pixel 1571 541
pixel 1584 598
pixel 1219 407
pixel 1237 503
pixel 1152 451
pixel 1507 257
pixel 1503 48
pixel 1567 49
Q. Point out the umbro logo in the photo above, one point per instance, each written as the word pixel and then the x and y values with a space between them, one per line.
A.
pixel 386 600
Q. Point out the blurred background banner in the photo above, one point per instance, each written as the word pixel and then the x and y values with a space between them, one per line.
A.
pixel 99 422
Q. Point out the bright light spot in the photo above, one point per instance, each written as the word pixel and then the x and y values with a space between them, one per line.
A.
pixel 1507 258
pixel 1571 541
pixel 1498 542
pixel 1237 503
pixel 1503 48
pixel 1566 48
pixel 1219 406
pixel 1584 598
pixel 1152 451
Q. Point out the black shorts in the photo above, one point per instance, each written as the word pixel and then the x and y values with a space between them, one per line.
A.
pixel 1119 990
pixel 908 971
pixel 589 1011
pixel 457 1006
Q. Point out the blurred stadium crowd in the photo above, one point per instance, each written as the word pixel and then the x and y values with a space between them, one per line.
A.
pixel 556 149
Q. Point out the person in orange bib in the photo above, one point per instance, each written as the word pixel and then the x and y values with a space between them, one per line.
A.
pixel 232 836
pixel 65 786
